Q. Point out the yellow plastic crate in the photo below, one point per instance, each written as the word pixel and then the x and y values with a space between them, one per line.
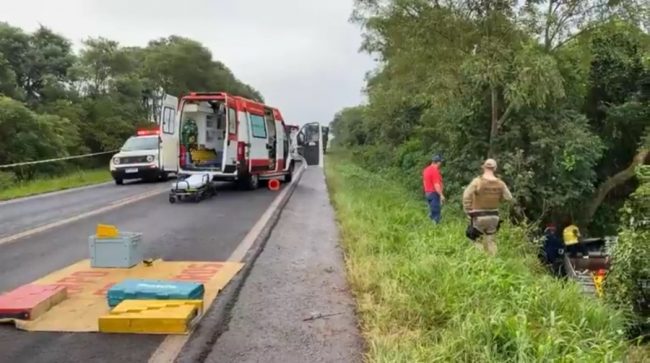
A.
pixel 151 317
pixel 203 155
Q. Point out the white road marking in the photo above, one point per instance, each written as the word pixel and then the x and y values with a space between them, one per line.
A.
pixel 251 236
pixel 169 349
pixel 114 205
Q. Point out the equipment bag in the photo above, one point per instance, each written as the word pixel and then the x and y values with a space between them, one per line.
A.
pixel 473 233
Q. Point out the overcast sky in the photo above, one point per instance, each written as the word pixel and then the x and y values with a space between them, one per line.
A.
pixel 301 54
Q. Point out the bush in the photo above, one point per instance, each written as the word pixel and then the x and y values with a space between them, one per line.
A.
pixel 424 294
pixel 628 284
pixel 26 136
pixel 7 179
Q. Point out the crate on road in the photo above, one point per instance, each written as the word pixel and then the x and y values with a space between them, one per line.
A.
pixel 151 317
pixel 145 289
pixel 28 302
pixel 121 251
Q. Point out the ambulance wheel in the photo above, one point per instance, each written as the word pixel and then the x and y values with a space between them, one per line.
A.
pixel 164 176
pixel 289 177
pixel 252 182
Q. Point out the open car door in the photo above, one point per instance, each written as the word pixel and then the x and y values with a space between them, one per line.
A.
pixel 309 143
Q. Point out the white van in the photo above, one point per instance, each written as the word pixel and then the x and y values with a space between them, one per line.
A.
pixel 232 138
pixel 150 154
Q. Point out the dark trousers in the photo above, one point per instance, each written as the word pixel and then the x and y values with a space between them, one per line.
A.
pixel 433 199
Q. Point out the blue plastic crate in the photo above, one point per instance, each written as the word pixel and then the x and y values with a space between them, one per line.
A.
pixel 122 252
pixel 142 289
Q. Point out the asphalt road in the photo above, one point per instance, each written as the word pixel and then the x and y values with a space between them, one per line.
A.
pixel 210 230
pixel 17 216
pixel 299 273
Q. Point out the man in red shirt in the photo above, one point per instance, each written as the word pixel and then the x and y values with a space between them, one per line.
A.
pixel 432 181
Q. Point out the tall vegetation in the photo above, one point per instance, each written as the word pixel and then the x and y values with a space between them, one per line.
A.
pixel 628 284
pixel 55 102
pixel 557 91
pixel 426 295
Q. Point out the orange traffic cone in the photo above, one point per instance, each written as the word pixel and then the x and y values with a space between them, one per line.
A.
pixel 274 184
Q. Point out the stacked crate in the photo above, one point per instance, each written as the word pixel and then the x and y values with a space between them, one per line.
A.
pixel 152 306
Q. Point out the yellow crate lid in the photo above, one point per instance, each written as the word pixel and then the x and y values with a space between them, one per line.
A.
pixel 106 231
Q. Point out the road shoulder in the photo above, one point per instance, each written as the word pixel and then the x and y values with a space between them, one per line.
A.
pixel 299 275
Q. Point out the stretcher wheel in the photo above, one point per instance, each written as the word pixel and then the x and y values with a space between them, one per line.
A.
pixel 172 199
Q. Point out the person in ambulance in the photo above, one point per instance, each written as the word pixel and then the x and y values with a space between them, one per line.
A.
pixel 140 158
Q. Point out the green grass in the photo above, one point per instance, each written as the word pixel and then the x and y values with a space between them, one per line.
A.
pixel 45 185
pixel 424 294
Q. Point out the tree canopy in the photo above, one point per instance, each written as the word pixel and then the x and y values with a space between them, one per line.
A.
pixel 55 102
pixel 557 91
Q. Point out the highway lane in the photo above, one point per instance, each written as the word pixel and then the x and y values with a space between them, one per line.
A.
pixel 22 214
pixel 210 230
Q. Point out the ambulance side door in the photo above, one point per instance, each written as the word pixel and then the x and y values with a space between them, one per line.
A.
pixel 259 154
pixel 230 156
pixel 280 134
pixel 169 135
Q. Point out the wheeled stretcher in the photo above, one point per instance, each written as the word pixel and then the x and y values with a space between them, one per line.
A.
pixel 196 187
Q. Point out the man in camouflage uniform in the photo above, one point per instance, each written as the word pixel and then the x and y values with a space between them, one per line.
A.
pixel 481 201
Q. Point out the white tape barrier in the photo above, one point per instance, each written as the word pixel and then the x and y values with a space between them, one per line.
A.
pixel 56 159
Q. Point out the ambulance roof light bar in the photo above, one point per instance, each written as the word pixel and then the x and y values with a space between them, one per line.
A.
pixel 147 132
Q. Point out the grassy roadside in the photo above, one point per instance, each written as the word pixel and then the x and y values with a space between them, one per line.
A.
pixel 424 294
pixel 40 186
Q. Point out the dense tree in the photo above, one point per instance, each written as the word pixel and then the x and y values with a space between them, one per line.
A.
pixel 35 65
pixel 618 106
pixel 627 284
pixel 101 64
pixel 28 136
pixel 349 124
pixel 14 46
pixel 71 104
pixel 8 85
pixel 49 57
pixel 556 90
pixel 178 65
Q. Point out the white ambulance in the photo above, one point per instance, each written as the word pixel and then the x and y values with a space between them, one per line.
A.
pixel 232 138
